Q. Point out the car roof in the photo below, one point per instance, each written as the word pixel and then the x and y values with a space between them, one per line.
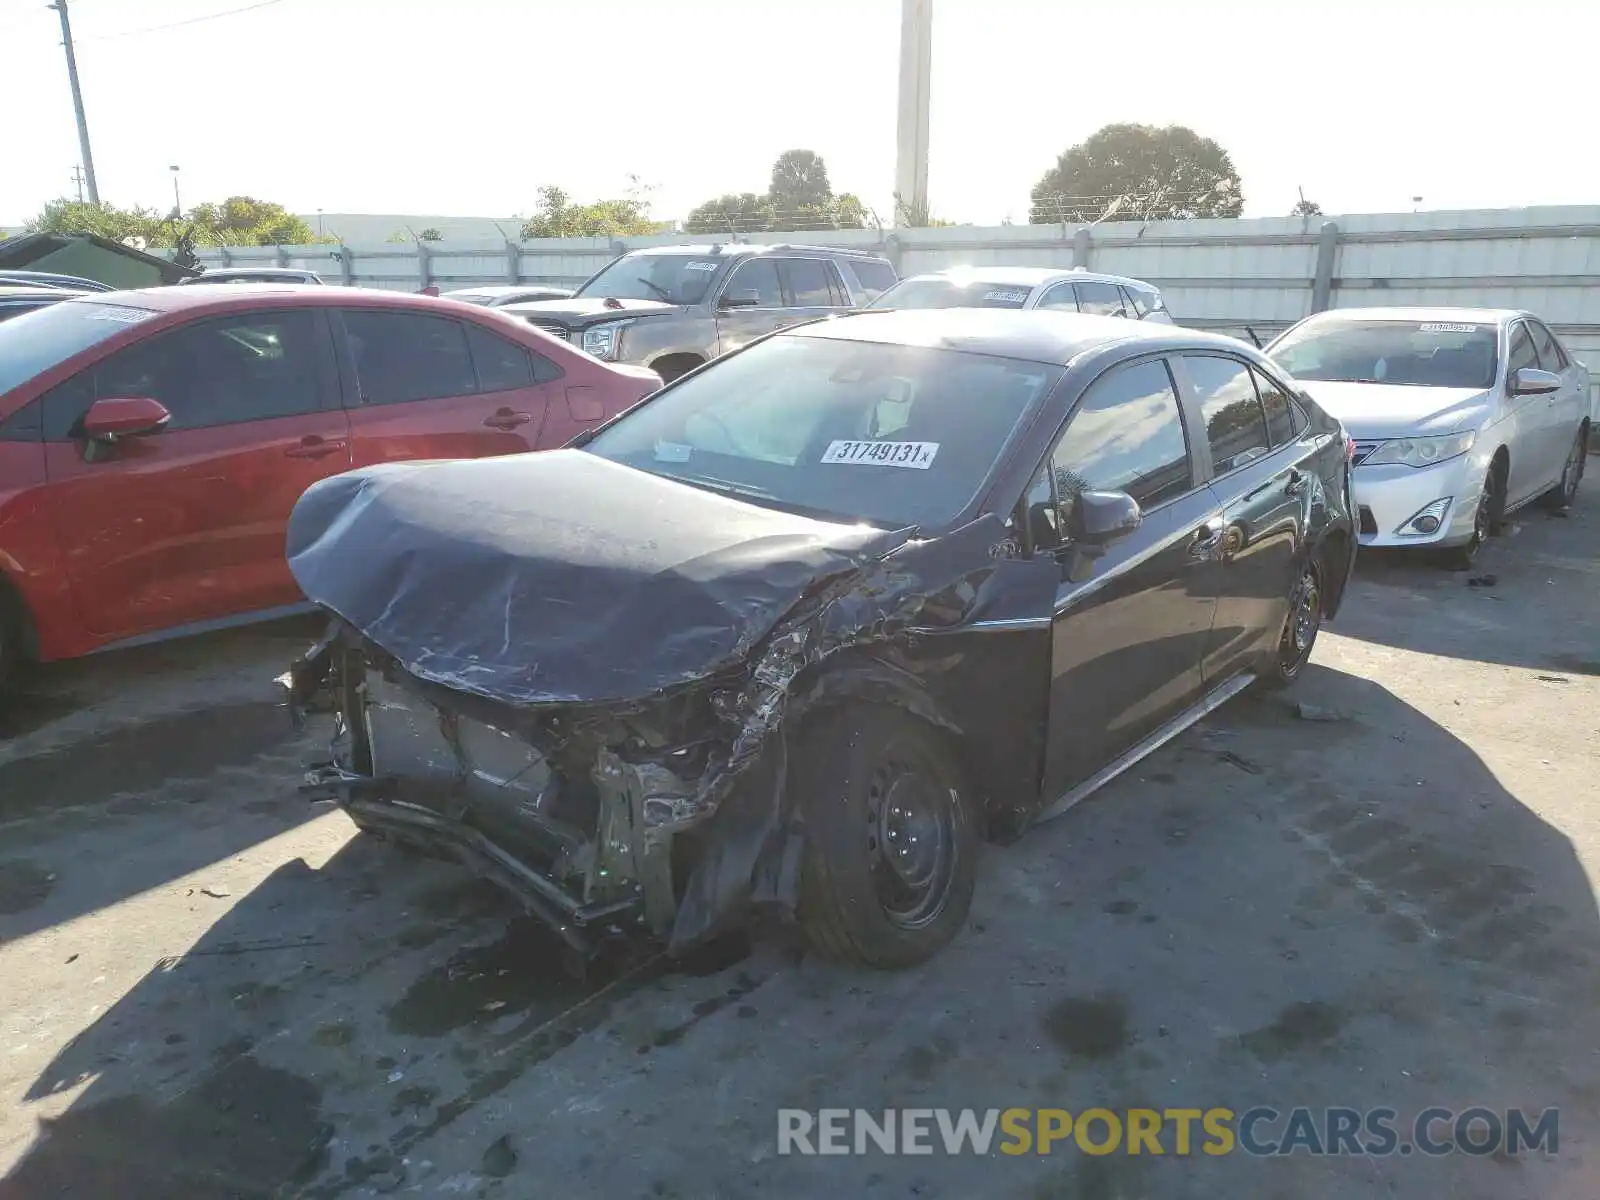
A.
pixel 1029 277
pixel 1031 335
pixel 243 295
pixel 287 272
pixel 1498 316
pixel 714 249
pixel 24 291
pixel 504 289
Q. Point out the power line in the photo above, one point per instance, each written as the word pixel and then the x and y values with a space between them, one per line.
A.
pixel 216 16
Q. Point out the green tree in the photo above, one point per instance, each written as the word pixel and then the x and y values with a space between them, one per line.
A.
pixel 430 235
pixel 557 216
pixel 246 221
pixel 799 183
pixel 734 213
pixel 849 212
pixel 1157 174
pixel 100 220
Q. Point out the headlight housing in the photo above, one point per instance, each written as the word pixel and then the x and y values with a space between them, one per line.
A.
pixel 1421 451
pixel 604 341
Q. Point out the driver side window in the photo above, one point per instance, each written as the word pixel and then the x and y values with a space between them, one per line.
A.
pixel 1126 435
pixel 759 275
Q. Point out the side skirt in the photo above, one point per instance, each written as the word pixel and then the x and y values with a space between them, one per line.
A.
pixel 1212 701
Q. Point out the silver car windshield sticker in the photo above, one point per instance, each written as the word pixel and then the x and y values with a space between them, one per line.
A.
pixel 916 455
pixel 673 452
pixel 1003 297
pixel 699 266
pixel 1436 327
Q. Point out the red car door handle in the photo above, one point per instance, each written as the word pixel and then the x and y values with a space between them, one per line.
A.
pixel 506 419
pixel 315 447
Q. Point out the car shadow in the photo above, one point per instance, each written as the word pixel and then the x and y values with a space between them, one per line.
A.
pixel 1321 900
pixel 138 769
pixel 1531 600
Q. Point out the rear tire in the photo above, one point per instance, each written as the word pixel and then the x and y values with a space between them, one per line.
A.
pixel 1300 627
pixel 1560 497
pixel 891 839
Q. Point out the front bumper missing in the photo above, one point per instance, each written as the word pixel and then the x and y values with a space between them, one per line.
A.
pixel 378 805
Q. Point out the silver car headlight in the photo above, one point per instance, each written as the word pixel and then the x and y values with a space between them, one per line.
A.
pixel 604 341
pixel 1421 451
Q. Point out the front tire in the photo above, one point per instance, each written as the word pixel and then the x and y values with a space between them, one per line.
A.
pixel 891 838
pixel 1485 522
pixel 10 641
pixel 1300 627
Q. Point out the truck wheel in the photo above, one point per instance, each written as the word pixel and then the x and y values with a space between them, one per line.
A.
pixel 891 841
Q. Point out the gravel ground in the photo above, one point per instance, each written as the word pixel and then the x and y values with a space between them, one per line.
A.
pixel 212 990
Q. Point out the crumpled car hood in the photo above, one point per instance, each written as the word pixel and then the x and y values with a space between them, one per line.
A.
pixel 559 577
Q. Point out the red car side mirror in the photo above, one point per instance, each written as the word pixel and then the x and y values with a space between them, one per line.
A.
pixel 118 417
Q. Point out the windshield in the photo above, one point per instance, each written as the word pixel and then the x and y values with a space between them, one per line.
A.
pixel 38 340
pixel 671 278
pixel 891 435
pixel 1410 353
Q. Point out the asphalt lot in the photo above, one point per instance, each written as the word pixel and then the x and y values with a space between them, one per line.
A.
pixel 208 989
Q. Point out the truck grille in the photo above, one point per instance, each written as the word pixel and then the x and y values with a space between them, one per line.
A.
pixel 559 331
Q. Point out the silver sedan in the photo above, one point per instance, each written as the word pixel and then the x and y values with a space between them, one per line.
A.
pixel 1459 416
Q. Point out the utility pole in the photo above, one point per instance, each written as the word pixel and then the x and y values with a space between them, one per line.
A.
pixel 77 101
pixel 77 178
pixel 911 150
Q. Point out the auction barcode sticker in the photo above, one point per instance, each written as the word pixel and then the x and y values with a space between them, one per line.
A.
pixel 1003 297
pixel 917 455
pixel 1444 327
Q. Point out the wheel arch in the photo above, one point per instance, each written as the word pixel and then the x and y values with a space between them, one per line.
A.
pixel 859 677
pixel 684 360
pixel 14 609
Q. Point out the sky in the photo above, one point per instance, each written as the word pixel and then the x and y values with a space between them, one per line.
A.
pixel 467 107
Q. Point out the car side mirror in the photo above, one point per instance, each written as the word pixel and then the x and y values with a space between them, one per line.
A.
pixel 744 298
pixel 118 417
pixel 1100 518
pixel 1531 381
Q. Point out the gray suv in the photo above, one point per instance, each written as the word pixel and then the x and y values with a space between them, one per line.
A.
pixel 671 308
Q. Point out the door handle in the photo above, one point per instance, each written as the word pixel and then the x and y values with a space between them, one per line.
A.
pixel 506 419
pixel 316 447
pixel 1297 482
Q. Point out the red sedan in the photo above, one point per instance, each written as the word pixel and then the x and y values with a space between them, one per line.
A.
pixel 153 442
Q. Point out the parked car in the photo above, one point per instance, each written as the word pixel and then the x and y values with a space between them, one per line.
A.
pixel 254 275
pixel 508 293
pixel 152 443
pixel 676 307
pixel 1029 287
pixel 50 279
pixel 842 600
pixel 1460 417
pixel 16 300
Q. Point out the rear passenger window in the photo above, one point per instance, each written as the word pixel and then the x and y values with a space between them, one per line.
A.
pixel 1281 427
pixel 875 278
pixel 808 283
pixel 1236 427
pixel 1103 298
pixel 501 364
pixel 404 357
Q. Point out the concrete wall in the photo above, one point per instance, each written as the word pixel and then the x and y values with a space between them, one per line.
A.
pixel 1262 273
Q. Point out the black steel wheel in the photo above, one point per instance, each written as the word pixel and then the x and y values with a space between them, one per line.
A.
pixel 891 842
pixel 1300 626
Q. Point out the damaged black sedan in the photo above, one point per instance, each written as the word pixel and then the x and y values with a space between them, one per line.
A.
pixel 805 626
